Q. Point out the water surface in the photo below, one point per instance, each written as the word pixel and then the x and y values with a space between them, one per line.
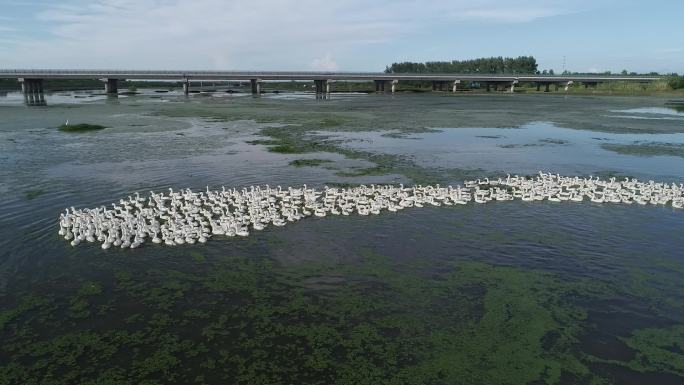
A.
pixel 509 292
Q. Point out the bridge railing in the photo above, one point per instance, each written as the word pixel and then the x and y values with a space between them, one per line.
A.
pixel 102 72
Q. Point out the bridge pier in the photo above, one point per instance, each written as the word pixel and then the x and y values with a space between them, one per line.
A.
pixel 379 86
pixel 394 85
pixel 546 87
pixel 111 86
pixel 488 86
pixel 256 86
pixel 186 87
pixel 329 85
pixel 439 85
pixel 455 86
pixel 320 88
pixel 34 94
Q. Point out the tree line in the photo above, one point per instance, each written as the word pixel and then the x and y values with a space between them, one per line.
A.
pixel 490 65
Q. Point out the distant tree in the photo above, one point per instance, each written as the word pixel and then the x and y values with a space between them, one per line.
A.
pixel 676 82
pixel 551 72
pixel 493 65
pixel 624 72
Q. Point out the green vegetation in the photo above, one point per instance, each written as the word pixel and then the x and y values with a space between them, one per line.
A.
pixel 647 149
pixel 308 162
pixel 539 143
pixel 245 319
pixel 662 349
pixel 676 82
pixel 82 127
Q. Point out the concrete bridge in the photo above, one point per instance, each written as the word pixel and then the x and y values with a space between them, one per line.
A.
pixel 32 80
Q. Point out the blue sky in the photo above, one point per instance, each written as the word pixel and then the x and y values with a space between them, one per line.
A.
pixel 345 35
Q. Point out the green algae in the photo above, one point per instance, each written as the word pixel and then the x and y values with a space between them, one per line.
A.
pixel 647 149
pixel 660 350
pixel 309 162
pixel 197 256
pixel 82 127
pixel 27 304
pixel 539 143
pixel 250 320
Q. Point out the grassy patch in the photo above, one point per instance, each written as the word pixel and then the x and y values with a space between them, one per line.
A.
pixel 82 127
pixel 647 149
pixel 540 143
pixel 309 162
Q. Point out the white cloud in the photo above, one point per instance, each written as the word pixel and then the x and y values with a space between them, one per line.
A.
pixel 245 34
pixel 326 63
pixel 669 50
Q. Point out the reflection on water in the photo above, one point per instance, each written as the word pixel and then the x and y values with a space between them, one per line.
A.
pixel 652 111
pixel 515 292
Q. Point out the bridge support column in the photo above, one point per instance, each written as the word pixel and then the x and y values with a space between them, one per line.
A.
pixel 488 87
pixel 256 86
pixel 455 85
pixel 111 86
pixel 329 85
pixel 557 86
pixel 546 87
pixel 439 85
pixel 186 87
pixel 394 85
pixel 380 86
pixel 538 87
pixel 320 88
pixel 34 94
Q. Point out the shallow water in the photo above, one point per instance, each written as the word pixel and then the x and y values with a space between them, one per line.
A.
pixel 509 292
pixel 525 149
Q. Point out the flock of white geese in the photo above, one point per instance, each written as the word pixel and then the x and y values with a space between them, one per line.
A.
pixel 186 217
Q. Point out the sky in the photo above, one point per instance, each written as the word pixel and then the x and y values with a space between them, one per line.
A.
pixel 340 35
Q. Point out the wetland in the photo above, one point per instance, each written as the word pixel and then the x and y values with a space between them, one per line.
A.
pixel 504 293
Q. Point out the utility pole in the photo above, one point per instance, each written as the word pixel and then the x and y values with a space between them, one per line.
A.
pixel 564 64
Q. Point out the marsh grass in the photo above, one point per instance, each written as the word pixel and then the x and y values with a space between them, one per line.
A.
pixel 82 127
pixel 309 162
pixel 647 149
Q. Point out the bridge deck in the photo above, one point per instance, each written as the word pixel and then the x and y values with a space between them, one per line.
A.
pixel 297 75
